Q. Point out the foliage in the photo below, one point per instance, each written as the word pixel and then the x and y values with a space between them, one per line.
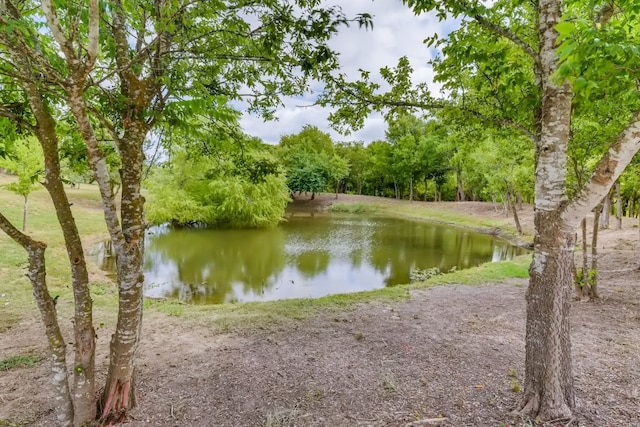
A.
pixel 26 162
pixel 310 161
pixel 219 183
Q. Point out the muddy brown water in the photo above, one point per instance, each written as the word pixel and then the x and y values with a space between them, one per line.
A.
pixel 309 256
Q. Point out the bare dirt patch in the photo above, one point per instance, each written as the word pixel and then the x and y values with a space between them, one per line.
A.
pixel 451 352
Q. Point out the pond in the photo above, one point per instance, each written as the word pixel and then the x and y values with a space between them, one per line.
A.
pixel 308 256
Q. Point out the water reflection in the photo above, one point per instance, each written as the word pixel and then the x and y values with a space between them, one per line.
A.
pixel 308 256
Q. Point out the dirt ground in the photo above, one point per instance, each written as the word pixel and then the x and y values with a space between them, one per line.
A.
pixel 455 353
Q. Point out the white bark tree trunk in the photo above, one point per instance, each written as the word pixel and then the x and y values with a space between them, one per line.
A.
pixel 549 389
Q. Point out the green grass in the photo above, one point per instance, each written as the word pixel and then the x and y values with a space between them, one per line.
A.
pixel 352 207
pixel 486 273
pixel 424 211
pixel 20 361
pixel 42 225
pixel 17 300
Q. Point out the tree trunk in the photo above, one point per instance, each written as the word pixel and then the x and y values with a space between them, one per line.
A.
pixel 606 210
pixel 25 209
pixel 84 395
pixel 593 285
pixel 516 220
pixel 581 288
pixel 411 189
pixel 62 400
pixel 460 193
pixel 549 389
pixel 119 392
pixel 618 207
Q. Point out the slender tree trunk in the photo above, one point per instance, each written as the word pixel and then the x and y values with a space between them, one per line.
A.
pixel 581 288
pixel 84 394
pixel 119 393
pixel 593 289
pixel 25 209
pixel 606 211
pixel 411 189
pixel 62 400
pixel 516 220
pixel 460 193
pixel 618 207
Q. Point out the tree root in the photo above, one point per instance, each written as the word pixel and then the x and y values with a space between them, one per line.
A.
pixel 532 407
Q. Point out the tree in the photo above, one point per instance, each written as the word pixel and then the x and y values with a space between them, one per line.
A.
pixel 418 150
pixel 505 160
pixel 217 180
pixel 311 162
pixel 529 85
pixel 125 67
pixel 356 155
pixel 26 164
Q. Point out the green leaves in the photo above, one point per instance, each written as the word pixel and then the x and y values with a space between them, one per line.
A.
pixel 27 163
pixel 310 161
pixel 220 185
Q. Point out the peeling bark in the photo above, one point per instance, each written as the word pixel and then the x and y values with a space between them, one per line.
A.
pixel 549 389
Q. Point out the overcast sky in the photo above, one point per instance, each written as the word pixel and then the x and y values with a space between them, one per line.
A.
pixel 397 32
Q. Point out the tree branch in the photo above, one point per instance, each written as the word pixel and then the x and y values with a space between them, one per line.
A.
pixel 607 171
pixel 94 34
pixel 56 29
pixel 504 32
pixel 16 119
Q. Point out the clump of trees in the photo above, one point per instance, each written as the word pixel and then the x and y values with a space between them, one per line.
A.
pixel 114 71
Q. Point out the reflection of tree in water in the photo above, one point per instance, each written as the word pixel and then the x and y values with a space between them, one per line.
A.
pixel 313 263
pixel 399 247
pixel 216 266
pixel 209 263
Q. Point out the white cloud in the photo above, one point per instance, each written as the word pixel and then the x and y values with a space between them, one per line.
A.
pixel 397 32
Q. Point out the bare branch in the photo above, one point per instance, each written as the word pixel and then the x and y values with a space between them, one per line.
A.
pixel 56 29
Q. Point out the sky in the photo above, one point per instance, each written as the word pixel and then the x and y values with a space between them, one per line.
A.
pixel 397 32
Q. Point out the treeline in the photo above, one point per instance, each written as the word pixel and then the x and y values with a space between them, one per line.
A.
pixel 430 160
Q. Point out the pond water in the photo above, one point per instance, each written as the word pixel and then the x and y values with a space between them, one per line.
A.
pixel 310 255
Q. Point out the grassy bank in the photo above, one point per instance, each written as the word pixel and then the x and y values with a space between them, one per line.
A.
pixel 17 301
pixel 503 226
